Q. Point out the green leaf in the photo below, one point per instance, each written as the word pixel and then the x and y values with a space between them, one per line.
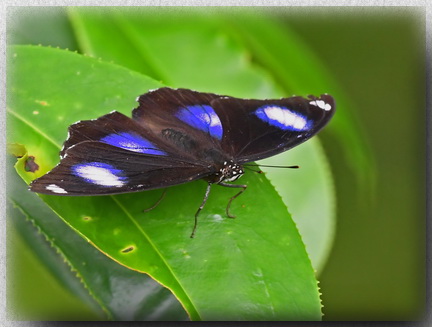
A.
pixel 113 291
pixel 252 268
pixel 121 46
pixel 299 187
pixel 169 44
pixel 209 60
pixel 17 150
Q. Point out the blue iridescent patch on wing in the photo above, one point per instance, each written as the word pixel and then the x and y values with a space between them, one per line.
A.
pixel 132 142
pixel 283 118
pixel 202 117
pixel 100 173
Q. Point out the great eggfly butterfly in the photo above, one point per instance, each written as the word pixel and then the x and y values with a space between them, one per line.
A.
pixel 177 136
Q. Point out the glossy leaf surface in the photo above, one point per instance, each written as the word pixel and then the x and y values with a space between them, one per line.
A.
pixel 258 258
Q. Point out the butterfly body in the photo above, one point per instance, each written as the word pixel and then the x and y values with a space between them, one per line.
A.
pixel 177 136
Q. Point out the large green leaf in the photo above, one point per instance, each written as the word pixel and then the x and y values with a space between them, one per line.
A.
pixel 252 268
pixel 315 222
pixel 109 288
pixel 168 44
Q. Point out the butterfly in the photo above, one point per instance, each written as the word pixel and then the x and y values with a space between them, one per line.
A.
pixel 177 136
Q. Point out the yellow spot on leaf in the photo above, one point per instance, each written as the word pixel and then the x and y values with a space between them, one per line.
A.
pixel 42 103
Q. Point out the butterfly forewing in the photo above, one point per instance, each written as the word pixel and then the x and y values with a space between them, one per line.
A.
pixel 96 168
pixel 257 129
pixel 186 119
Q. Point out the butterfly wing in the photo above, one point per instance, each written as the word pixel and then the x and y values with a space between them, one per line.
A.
pixel 242 129
pixel 176 136
pixel 186 119
pixel 118 130
pixel 97 168
pixel 257 129
pixel 114 154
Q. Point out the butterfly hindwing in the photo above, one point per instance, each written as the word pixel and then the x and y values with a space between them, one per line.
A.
pixel 96 168
pixel 115 129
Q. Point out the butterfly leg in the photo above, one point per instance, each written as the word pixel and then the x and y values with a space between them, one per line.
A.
pixel 206 195
pixel 235 196
pixel 157 202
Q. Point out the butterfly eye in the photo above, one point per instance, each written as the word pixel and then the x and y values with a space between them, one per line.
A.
pixel 202 117
pixel 283 118
pixel 100 173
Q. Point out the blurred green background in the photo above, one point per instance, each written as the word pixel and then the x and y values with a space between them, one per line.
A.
pixel 376 269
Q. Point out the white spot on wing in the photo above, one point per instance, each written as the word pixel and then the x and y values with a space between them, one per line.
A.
pixel 56 189
pixel 286 117
pixel 321 104
pixel 214 120
pixel 99 175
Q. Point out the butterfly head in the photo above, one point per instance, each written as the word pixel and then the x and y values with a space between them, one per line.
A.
pixel 230 172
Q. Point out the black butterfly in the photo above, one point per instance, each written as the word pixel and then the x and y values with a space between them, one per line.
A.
pixel 177 136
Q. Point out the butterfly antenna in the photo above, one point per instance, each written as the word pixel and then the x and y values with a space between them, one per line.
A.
pixel 270 166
